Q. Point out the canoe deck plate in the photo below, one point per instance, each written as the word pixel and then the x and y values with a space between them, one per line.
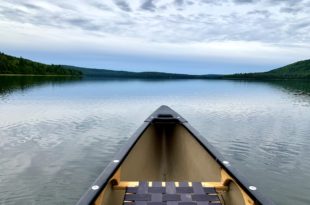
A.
pixel 171 194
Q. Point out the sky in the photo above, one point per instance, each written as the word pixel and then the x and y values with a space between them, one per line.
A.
pixel 180 36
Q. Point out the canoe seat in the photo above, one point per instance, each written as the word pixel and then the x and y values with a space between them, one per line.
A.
pixel 184 194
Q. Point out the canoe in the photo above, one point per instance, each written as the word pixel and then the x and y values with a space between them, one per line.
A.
pixel 167 162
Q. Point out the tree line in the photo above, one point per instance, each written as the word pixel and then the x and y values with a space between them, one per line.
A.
pixel 13 65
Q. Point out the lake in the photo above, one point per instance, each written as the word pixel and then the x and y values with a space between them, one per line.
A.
pixel 58 134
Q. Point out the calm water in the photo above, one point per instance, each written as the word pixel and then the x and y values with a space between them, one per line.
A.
pixel 57 135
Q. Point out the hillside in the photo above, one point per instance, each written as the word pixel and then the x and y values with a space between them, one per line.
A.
pixel 21 66
pixel 298 70
pixel 104 73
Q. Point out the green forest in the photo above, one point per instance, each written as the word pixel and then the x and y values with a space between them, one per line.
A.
pixel 298 70
pixel 13 65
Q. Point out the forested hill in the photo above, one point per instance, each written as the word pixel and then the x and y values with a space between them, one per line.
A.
pixel 13 65
pixel 298 70
pixel 104 73
pixel 21 66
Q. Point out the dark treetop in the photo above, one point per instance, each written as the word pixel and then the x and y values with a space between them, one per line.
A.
pixel 13 65
pixel 298 70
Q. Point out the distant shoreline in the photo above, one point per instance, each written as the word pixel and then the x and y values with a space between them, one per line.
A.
pixel 28 75
pixel 12 66
pixel 220 77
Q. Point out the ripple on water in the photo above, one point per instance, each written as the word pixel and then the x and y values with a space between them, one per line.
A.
pixel 52 136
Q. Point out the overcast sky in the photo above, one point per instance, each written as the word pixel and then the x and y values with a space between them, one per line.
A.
pixel 184 36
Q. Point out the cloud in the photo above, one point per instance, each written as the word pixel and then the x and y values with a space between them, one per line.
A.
pixel 83 24
pixel 300 25
pixel 99 5
pixel 291 10
pixel 31 6
pixel 278 24
pixel 123 5
pixel 264 13
pixel 246 1
pixel 168 20
pixel 179 2
pixel 287 2
pixel 148 5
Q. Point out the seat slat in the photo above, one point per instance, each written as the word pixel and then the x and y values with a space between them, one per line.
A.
pixel 170 188
pixel 156 184
pixel 157 190
pixel 171 197
pixel 138 197
pixel 143 188
pixel 187 203
pixel 197 187
pixel 157 197
pixel 172 203
pixel 132 190
pixel 204 197
pixel 209 190
pixel 184 188
pixel 156 203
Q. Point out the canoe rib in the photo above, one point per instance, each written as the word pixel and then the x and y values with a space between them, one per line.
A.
pixel 166 148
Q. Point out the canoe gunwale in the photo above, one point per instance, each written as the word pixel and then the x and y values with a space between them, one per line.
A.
pixel 165 115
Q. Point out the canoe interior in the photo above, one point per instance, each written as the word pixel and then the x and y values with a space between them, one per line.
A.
pixel 169 152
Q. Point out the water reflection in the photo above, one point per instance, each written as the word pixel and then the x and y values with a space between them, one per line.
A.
pixel 9 84
pixel 299 87
pixel 57 131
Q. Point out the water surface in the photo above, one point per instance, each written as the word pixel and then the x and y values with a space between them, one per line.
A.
pixel 57 135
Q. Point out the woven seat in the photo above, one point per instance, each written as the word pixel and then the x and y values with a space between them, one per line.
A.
pixel 170 194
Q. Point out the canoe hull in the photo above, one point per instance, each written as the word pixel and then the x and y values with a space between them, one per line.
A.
pixel 166 148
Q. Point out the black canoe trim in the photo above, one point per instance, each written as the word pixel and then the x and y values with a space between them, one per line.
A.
pixel 164 114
